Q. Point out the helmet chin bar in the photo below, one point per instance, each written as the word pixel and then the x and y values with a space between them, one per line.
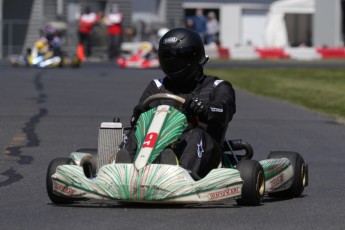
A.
pixel 176 77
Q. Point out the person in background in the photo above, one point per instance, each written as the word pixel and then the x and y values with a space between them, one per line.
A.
pixel 212 28
pixel 190 23
pixel 113 21
pixel 152 53
pixel 199 21
pixel 52 40
pixel 48 45
pixel 86 23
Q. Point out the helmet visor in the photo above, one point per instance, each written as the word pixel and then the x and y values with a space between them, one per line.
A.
pixel 174 60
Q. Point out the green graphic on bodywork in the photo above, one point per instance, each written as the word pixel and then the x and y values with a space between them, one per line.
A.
pixel 174 124
pixel 273 167
pixel 153 183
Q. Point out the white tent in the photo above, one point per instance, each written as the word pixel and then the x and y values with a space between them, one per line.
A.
pixel 275 31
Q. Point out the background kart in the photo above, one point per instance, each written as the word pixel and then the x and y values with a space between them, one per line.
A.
pixel 144 58
pixel 41 56
pixel 41 61
pixel 98 174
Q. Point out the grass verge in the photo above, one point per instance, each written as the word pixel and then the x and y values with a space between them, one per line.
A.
pixel 319 89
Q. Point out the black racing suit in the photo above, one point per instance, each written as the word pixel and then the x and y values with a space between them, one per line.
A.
pixel 199 148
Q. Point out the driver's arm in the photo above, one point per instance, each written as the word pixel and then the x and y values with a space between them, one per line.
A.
pixel 221 106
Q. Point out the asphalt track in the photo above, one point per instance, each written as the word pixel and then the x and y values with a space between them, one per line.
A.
pixel 49 113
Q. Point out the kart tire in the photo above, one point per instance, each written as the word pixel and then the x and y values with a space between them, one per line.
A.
pixel 15 64
pixel 90 168
pixel 300 169
pixel 253 177
pixel 75 62
pixel 62 62
pixel 49 182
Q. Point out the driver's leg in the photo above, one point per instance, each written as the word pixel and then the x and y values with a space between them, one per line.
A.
pixel 198 151
pixel 128 148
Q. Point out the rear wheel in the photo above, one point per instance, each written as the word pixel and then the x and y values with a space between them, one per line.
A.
pixel 75 62
pixel 300 169
pixel 253 178
pixel 49 182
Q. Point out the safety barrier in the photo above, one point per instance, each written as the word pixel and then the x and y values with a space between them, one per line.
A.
pixel 295 53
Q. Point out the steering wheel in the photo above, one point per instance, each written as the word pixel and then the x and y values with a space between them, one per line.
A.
pixel 158 96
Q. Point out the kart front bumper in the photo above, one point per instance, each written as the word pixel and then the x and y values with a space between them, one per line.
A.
pixel 154 183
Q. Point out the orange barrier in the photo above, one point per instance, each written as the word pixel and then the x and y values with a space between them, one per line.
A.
pixel 80 52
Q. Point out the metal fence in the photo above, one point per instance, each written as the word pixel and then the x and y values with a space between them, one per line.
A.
pixel 13 36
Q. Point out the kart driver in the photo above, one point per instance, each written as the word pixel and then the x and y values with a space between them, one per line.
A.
pixel 209 107
pixel 52 40
pixel 48 45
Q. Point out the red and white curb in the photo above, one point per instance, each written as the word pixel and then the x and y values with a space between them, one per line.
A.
pixel 298 53
pixel 257 53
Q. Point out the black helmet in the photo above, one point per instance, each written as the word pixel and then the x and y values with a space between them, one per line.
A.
pixel 181 53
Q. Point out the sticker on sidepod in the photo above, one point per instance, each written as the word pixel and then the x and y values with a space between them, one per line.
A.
pixel 63 188
pixel 223 193
pixel 276 182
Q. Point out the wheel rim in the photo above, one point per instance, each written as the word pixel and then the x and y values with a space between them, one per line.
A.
pixel 260 184
pixel 304 175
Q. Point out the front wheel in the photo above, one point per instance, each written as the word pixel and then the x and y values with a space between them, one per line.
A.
pixel 90 166
pixel 300 169
pixel 49 182
pixel 253 177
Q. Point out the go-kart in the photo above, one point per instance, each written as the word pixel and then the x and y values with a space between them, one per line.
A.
pixel 144 58
pixel 43 60
pixel 98 174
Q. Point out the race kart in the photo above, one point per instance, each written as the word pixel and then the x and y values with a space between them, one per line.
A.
pixel 101 174
pixel 144 58
pixel 45 60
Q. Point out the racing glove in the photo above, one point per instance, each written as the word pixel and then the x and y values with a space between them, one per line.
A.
pixel 194 106
pixel 136 113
